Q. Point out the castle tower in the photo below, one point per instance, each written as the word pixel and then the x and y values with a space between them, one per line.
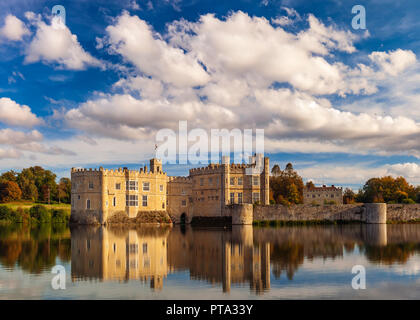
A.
pixel 104 195
pixel 155 165
pixel 266 184
pixel 225 181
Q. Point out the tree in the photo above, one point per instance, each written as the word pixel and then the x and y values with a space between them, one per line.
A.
pixel 287 186
pixel 310 185
pixel 349 196
pixel 8 176
pixel 276 171
pixel 64 190
pixel 40 179
pixel 9 191
pixel 387 189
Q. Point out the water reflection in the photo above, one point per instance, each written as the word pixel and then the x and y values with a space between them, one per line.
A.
pixel 119 254
pixel 243 256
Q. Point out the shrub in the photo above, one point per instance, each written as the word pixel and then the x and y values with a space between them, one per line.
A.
pixel 59 216
pixel 6 213
pixel 408 201
pixel 40 214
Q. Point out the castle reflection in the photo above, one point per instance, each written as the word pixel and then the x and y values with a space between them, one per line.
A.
pixel 240 256
pixel 120 254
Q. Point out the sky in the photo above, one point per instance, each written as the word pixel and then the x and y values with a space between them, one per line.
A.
pixel 341 104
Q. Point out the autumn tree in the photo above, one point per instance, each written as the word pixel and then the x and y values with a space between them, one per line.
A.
pixel 310 185
pixel 349 196
pixel 9 191
pixel 387 189
pixel 286 186
pixel 64 190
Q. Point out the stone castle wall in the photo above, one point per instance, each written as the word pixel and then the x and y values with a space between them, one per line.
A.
pixel 341 212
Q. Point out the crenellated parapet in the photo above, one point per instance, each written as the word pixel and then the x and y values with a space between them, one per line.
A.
pixel 120 172
pixel 180 179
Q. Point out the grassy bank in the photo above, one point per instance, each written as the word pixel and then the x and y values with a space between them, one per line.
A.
pixel 34 214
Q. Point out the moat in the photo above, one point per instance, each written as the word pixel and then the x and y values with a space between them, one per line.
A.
pixel 242 262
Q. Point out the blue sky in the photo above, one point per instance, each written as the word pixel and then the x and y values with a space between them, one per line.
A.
pixel 341 104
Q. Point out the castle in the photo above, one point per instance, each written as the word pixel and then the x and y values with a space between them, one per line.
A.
pixel 97 195
pixel 321 195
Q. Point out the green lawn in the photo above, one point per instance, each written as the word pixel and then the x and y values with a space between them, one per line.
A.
pixel 27 204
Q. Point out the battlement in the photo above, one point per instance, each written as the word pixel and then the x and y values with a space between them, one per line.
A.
pixel 116 172
pixel 179 179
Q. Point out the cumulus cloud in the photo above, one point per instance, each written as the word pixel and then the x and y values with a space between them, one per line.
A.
pixel 135 40
pixel 14 29
pixel 393 62
pixel 14 114
pixel 359 173
pixel 13 137
pixel 55 44
pixel 245 72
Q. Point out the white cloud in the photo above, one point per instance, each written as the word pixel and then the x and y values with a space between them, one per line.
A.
pixel 55 44
pixel 135 40
pixel 9 136
pixel 14 29
pixel 359 173
pixel 9 154
pixel 393 62
pixel 247 60
pixel 14 114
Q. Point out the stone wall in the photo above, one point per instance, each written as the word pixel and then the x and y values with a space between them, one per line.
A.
pixel 344 212
pixel 403 212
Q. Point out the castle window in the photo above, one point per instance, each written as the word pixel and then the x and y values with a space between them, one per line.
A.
pixel 78 197
pixel 90 185
pixel 232 197
pixel 232 181
pixel 240 181
pixel 240 197
pixel 255 180
pixel 161 188
pixel 114 201
pixel 118 186
pixel 144 247
pixel 332 196
pixel 183 192
pixel 134 248
pixel 163 205
pixel 201 182
pixel 255 197
pixel 184 203
pixel 88 204
pixel 144 201
pixel 210 181
pixel 132 200
pixel 146 186
pixel 131 185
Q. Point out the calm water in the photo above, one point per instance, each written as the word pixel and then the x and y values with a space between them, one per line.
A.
pixel 188 263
